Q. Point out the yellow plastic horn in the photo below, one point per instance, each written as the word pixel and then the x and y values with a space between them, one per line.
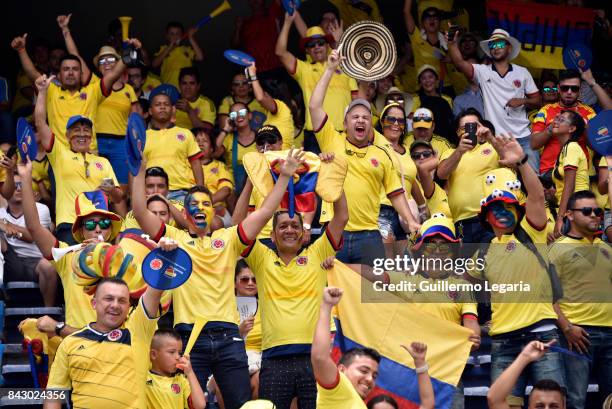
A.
pixel 125 27
pixel 223 7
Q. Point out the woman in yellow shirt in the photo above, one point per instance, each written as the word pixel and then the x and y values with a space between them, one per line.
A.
pixel 571 172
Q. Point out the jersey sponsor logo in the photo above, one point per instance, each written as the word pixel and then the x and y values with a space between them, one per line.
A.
pixel 510 247
pixel 517 83
pixel 156 264
pixel 83 95
pixel 114 335
pixel 180 137
pixel 301 261
pixel 486 151
pixel 176 388
pixel 217 244
pixel 374 162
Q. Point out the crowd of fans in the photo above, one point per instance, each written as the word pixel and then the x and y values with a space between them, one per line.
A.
pixel 458 145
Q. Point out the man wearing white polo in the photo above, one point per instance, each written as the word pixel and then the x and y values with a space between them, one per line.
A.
pixel 506 88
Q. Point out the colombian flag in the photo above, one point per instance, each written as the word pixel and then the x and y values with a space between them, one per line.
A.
pixel 384 326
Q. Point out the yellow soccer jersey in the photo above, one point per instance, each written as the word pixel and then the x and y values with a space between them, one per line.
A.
pixel 173 149
pixel 40 173
pixel 168 392
pixel 363 10
pixel 75 173
pixel 290 295
pixel 370 169
pixel 440 144
pixel 216 177
pixel 79 311
pixel 106 370
pixel 465 182
pixel 151 82
pixel 341 395
pixel 112 115
pixel 228 101
pixel 61 105
pixel 228 144
pixel 181 57
pixel 602 200
pixel 438 202
pixel 23 81
pixel 572 157
pixel 338 95
pixel 254 337
pixel 506 262
pixel 585 271
pixel 205 109
pixel 283 120
pixel 210 293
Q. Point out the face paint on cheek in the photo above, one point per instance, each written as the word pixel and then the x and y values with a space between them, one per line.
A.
pixel 200 214
pixel 501 217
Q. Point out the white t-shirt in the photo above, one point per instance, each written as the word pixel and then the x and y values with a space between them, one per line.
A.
pixel 22 248
pixel 498 90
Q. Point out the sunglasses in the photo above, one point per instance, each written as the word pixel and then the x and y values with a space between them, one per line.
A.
pixel 433 15
pixel 391 120
pixel 550 89
pixel 588 211
pixel 90 225
pixel 245 280
pixel 430 248
pixel 313 43
pixel 241 113
pixel 107 60
pixel 573 88
pixel 497 44
pixel 422 119
pixel 421 155
pixel 239 83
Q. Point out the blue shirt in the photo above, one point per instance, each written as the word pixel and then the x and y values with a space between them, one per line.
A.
pixel 469 99
pixel 4 92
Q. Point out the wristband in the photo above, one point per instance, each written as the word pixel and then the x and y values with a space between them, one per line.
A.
pixel 421 369
pixel 523 161
pixel 592 84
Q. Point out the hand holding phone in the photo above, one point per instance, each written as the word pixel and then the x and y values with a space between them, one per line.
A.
pixel 470 129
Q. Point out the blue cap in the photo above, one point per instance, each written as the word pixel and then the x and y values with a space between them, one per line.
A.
pixel 78 119
pixel 166 89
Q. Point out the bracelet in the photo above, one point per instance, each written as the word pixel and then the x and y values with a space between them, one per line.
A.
pixel 592 84
pixel 252 79
pixel 421 369
pixel 523 161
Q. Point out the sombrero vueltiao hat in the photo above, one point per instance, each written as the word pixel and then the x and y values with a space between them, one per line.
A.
pixel 499 34
pixel 93 203
pixel 369 52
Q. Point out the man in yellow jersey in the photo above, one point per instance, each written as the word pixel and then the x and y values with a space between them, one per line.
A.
pixel 171 147
pixel 423 126
pixel 75 170
pixel 219 349
pixel 512 258
pixel 173 56
pixel 347 385
pixel 584 313
pixel 93 220
pixel 290 282
pixel 192 109
pixel 69 95
pixel 307 74
pixel 105 364
pixel 370 169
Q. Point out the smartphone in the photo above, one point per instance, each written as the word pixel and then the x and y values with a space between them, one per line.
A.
pixel 470 129
pixel 11 151
pixel 452 30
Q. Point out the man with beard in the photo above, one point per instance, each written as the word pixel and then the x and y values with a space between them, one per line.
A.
pixel 506 88
pixel 542 137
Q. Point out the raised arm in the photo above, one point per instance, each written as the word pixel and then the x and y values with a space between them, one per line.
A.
pixel 198 173
pixel 255 221
pixel 159 58
pixel 40 111
pixel 455 55
pixel 325 371
pixel 199 54
pixel 149 223
pixel 71 47
pixel 43 238
pixel 539 139
pixel 609 162
pixel 300 24
pixel 8 187
pixel 317 113
pixel 113 75
pixel 408 19
pixel 400 204
pixel 602 96
pixel 418 351
pixel 288 59
pixel 241 210
pixel 19 44
pixel 261 96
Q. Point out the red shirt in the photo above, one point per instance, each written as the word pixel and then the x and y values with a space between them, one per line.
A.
pixel 258 37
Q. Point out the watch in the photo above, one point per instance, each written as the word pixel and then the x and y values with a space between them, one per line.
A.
pixel 523 161
pixel 306 226
pixel 59 327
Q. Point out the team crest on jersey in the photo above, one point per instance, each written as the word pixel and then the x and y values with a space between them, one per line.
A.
pixel 510 247
pixel 214 171
pixel 83 95
pixel 99 165
pixel 605 253
pixel 114 335
pixel 180 137
pixel 217 244
pixel 517 83
pixel 486 151
pixel 156 264
pixel 301 261
pixel 176 388
pixel 374 162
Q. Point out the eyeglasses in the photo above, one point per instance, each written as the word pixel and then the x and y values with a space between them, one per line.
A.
pixel 318 42
pixel 573 88
pixel 497 44
pixel 588 211
pixel 421 155
pixel 90 225
pixel 432 15
pixel 422 119
pixel 391 120
pixel 18 185
pixel 107 60
pixel 241 113
pixel 429 248
pixel 245 280
pixel 239 83
pixel 550 89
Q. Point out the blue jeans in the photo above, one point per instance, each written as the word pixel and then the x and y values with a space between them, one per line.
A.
pixel 534 156
pixel 112 147
pixel 361 247
pixel 577 370
pixel 220 351
pixel 505 349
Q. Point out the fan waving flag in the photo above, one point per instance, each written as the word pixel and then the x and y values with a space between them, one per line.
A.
pixel 384 326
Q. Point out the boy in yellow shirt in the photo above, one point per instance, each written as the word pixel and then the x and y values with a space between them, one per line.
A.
pixel 167 388
pixel 173 56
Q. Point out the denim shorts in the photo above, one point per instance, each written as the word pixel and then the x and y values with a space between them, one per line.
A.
pixel 389 224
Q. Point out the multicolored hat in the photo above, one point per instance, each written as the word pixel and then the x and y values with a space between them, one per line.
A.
pixel 499 196
pixel 93 203
pixel 437 225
